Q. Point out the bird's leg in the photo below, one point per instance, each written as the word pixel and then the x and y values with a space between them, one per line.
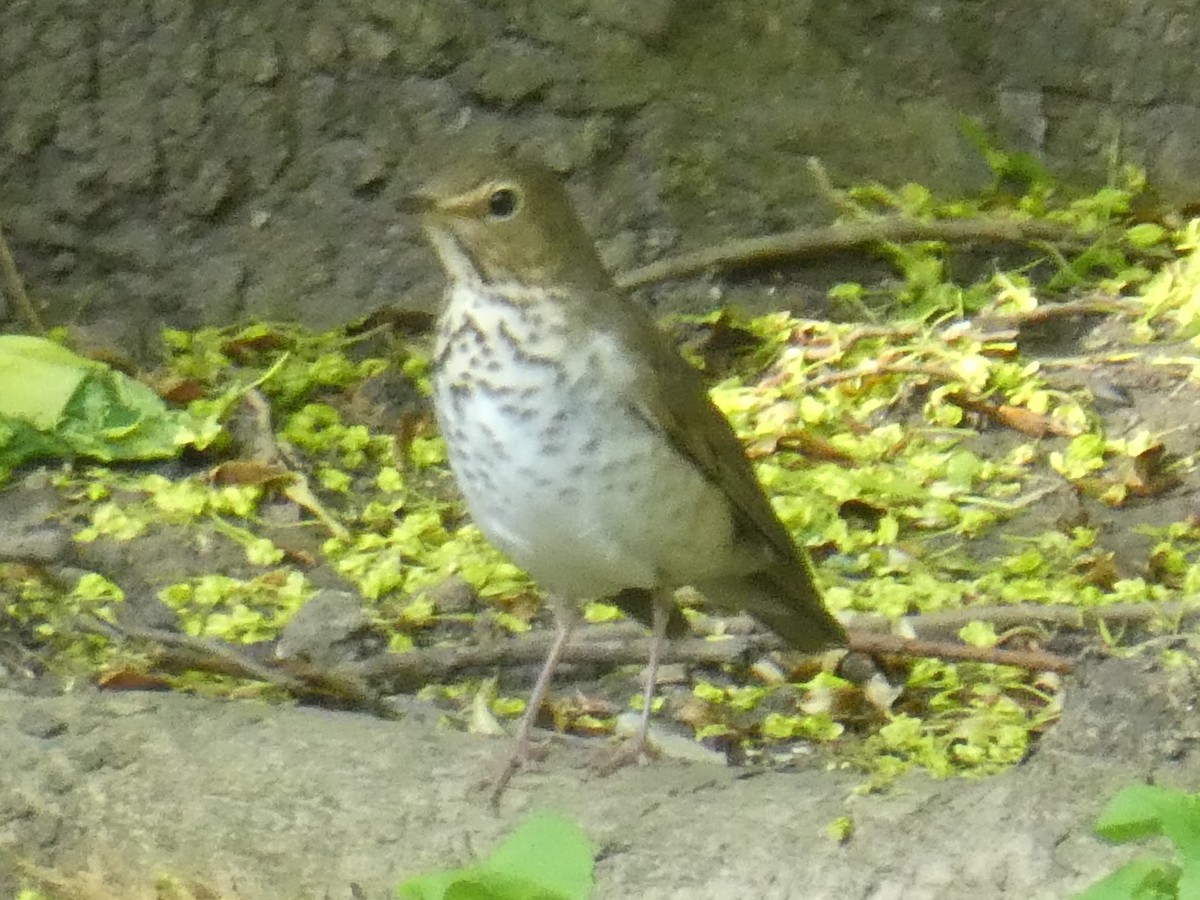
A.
pixel 638 747
pixel 658 639
pixel 520 750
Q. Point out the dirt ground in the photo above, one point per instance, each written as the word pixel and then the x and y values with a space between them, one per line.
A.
pixel 105 791
pixel 281 802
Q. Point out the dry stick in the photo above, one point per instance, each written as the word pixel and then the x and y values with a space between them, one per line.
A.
pixel 609 646
pixel 423 666
pixel 810 242
pixel 893 645
pixel 175 652
pixel 601 646
pixel 1077 618
pixel 16 288
pixel 216 657
pixel 272 450
pixel 1053 311
pixel 874 369
pixel 606 647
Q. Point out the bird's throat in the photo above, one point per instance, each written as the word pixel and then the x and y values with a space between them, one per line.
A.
pixel 460 266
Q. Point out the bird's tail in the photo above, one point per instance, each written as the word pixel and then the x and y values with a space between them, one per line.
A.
pixel 786 599
pixel 639 603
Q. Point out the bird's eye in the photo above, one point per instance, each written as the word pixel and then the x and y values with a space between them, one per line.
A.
pixel 502 203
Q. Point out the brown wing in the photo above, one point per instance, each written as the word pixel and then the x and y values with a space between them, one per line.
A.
pixel 666 391
pixel 669 393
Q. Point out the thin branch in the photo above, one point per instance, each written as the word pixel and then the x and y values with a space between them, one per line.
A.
pixel 1074 618
pixel 268 448
pixel 874 369
pixel 16 287
pixel 218 657
pixel 1049 312
pixel 607 647
pixel 814 242
pixel 610 646
pixel 893 645
pixel 172 652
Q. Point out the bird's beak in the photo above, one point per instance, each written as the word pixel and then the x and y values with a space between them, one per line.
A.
pixel 416 203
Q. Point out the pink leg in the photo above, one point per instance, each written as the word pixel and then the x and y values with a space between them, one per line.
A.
pixel 662 615
pixel 520 750
pixel 636 748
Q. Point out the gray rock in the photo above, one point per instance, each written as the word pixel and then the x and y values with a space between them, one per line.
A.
pixel 29 529
pixel 197 122
pixel 454 595
pixel 308 798
pixel 37 722
pixel 330 629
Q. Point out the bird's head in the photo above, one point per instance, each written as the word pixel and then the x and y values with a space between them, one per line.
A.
pixel 497 220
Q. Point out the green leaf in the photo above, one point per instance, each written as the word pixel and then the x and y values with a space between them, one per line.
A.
pixel 978 634
pixel 547 857
pixel 550 850
pixel 1146 234
pixel 1140 811
pixel 1140 879
pixel 1189 879
pixel 473 884
pixel 1181 825
pixel 56 403
pixel 39 377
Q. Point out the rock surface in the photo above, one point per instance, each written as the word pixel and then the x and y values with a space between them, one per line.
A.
pixel 279 802
pixel 230 162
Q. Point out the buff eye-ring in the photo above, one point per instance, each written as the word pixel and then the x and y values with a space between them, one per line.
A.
pixel 503 203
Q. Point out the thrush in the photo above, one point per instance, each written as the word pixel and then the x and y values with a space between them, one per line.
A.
pixel 587 449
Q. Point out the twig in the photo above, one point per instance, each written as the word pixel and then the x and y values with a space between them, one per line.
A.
pixel 893 645
pixel 16 287
pixel 407 671
pixel 814 242
pixel 610 646
pixel 838 198
pixel 1049 312
pixel 270 449
pixel 875 369
pixel 175 652
pixel 219 657
pixel 1077 618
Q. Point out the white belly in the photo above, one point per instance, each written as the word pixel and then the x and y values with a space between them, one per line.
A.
pixel 569 481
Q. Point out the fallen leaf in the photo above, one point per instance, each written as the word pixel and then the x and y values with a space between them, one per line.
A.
pixel 250 472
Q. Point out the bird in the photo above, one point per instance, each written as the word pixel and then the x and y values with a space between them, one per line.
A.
pixel 585 447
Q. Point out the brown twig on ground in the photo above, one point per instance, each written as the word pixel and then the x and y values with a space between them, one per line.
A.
pixel 217 657
pixel 1018 418
pixel 174 653
pixel 624 645
pixel 268 448
pixel 875 369
pixel 1049 312
pixel 603 646
pixel 948 622
pixel 813 242
pixel 894 645
pixel 609 646
pixel 16 287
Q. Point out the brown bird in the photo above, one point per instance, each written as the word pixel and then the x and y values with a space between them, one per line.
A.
pixel 587 449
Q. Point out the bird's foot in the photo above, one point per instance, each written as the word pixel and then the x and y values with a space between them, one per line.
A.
pixel 635 750
pixel 524 754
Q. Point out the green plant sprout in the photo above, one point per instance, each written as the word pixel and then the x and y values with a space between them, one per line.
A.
pixel 546 857
pixel 1140 812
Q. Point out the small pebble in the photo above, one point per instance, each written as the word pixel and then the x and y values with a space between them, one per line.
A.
pixel 59 776
pixel 103 755
pixel 40 724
